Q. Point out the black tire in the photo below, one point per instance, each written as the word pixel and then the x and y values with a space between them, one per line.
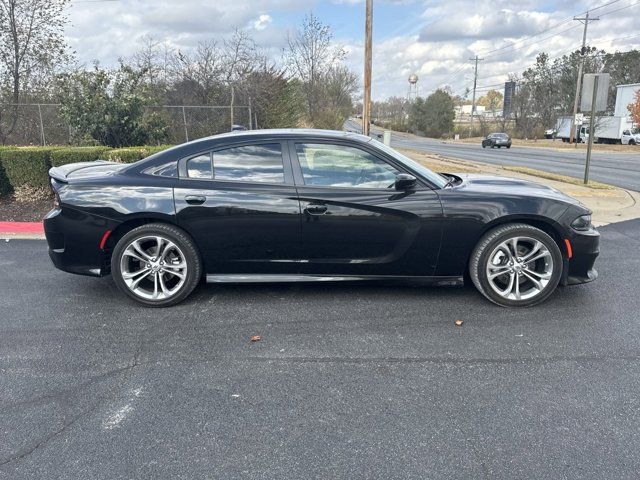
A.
pixel 508 146
pixel 484 146
pixel 632 142
pixel 186 246
pixel 490 241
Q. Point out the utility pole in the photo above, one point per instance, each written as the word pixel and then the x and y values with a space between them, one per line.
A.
pixel 586 21
pixel 366 104
pixel 475 84
pixel 233 97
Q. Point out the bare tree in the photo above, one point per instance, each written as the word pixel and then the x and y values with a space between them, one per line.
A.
pixel 31 39
pixel 240 56
pixel 200 72
pixel 311 57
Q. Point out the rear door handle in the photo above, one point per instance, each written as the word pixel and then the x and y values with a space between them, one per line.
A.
pixel 315 209
pixel 195 199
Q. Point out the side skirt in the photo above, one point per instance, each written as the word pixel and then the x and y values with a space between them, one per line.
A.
pixel 286 278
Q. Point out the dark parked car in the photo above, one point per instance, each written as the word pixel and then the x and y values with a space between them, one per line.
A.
pixel 497 140
pixel 311 205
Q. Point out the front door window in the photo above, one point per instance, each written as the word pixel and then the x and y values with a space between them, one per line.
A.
pixel 342 166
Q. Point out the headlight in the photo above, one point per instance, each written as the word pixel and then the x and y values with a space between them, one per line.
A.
pixel 582 223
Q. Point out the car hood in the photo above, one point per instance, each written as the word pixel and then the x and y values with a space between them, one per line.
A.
pixel 500 186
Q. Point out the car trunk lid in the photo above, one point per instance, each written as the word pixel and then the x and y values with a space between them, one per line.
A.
pixel 71 171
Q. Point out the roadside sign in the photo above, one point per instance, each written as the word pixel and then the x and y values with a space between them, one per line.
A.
pixel 601 95
pixel 579 119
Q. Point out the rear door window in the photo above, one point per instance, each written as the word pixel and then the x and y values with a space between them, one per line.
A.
pixel 249 163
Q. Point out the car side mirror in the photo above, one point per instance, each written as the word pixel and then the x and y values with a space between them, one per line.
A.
pixel 404 181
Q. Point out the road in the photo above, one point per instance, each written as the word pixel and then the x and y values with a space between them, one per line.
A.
pixel 620 169
pixel 348 381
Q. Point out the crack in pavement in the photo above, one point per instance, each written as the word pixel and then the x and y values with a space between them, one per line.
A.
pixel 25 452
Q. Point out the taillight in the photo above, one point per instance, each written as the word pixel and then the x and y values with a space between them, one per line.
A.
pixel 56 200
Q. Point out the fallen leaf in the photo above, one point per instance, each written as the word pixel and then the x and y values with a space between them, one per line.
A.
pixel 458 323
pixel 256 338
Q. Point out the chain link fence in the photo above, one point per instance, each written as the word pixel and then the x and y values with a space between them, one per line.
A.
pixel 42 123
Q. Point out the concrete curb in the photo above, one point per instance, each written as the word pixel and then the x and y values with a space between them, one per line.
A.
pixel 9 230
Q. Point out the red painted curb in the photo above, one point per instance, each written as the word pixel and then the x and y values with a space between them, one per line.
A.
pixel 21 227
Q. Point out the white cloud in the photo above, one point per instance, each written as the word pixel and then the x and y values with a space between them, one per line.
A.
pixel 453 32
pixel 262 22
pixel 435 42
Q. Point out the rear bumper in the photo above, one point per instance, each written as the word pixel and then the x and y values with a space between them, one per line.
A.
pixel 580 267
pixel 73 238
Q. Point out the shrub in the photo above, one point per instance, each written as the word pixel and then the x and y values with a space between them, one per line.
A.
pixel 5 185
pixel 27 166
pixel 64 156
pixel 29 194
pixel 25 169
pixel 133 154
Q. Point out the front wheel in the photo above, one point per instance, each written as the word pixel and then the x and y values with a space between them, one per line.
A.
pixel 516 265
pixel 156 264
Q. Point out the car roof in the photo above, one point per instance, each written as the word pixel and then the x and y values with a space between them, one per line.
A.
pixel 284 132
pixel 213 141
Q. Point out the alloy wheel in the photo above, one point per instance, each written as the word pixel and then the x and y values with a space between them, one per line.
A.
pixel 153 267
pixel 519 268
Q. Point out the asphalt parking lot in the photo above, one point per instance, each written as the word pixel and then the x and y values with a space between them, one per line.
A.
pixel 348 381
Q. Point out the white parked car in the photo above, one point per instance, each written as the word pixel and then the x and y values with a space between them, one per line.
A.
pixel 631 137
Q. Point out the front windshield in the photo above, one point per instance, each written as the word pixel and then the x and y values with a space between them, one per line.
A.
pixel 433 177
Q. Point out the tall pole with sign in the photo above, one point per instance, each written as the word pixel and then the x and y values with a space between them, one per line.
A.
pixel 592 128
pixel 595 92
pixel 366 103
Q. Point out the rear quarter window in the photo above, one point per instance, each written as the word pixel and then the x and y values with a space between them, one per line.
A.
pixel 168 169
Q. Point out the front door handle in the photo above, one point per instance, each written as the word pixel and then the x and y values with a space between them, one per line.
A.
pixel 195 199
pixel 315 209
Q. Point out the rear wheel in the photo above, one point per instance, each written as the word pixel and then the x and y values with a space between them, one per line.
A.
pixel 516 265
pixel 156 264
pixel 632 142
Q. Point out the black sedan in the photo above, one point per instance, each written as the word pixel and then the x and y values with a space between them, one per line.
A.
pixel 494 140
pixel 311 205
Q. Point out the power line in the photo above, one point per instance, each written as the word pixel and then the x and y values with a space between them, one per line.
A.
pixel 555 25
pixel 618 9
pixel 600 6
pixel 506 47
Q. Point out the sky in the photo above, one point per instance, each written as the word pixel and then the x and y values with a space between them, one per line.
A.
pixel 433 39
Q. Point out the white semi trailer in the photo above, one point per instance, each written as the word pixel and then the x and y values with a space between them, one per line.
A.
pixel 608 129
pixel 616 128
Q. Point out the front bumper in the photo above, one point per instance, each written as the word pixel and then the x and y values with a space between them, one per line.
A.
pixel 73 238
pixel 580 267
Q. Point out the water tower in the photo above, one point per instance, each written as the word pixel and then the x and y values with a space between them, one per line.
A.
pixel 413 87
